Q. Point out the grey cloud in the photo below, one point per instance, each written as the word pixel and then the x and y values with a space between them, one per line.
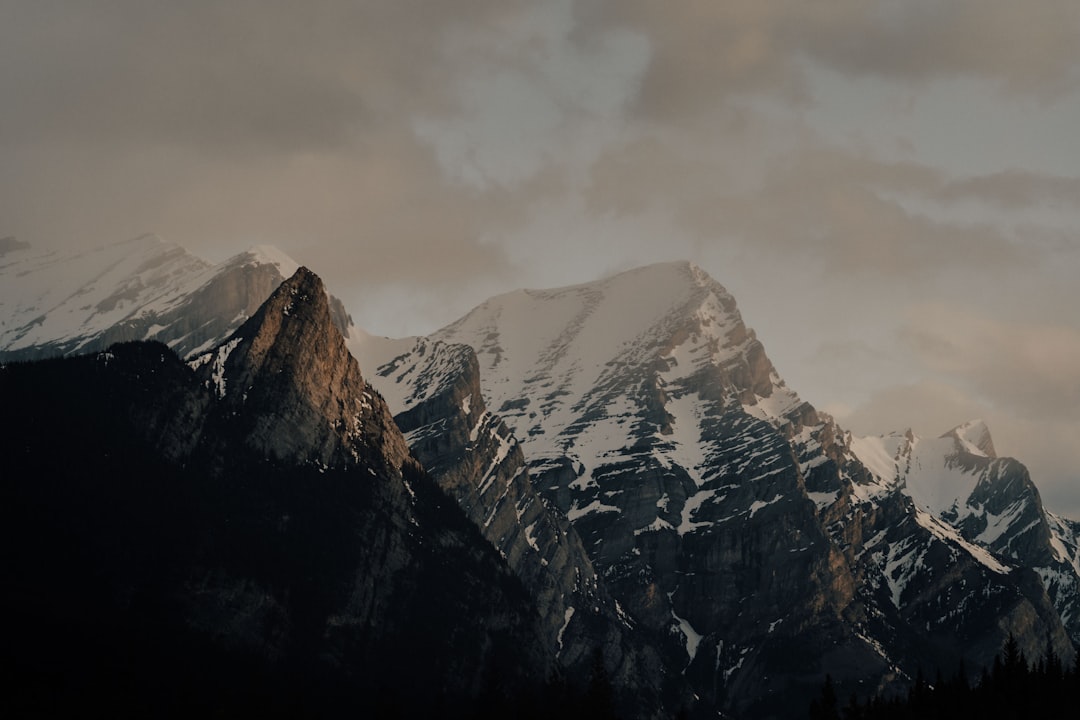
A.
pixel 218 125
pixel 1031 370
pixel 1015 189
pixel 708 52
pixel 843 208
pixel 269 76
pixel 1027 48
pixel 928 407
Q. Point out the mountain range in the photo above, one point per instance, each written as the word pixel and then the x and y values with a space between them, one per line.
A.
pixel 674 518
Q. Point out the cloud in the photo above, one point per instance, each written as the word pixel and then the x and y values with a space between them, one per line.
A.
pixel 1025 49
pixel 1031 370
pixel 844 209
pixel 1015 189
pixel 243 76
pixel 708 52
pixel 529 95
pixel 928 407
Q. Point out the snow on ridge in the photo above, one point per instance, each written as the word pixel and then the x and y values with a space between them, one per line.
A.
pixel 67 299
pixel 1065 540
pixel 406 371
pixel 974 438
pixel 949 534
pixel 560 366
pixel 217 357
pixel 880 454
pixel 269 255
pixel 54 296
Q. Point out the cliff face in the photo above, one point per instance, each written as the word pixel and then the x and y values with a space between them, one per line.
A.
pixel 295 392
pixel 725 513
pixel 958 482
pixel 473 456
pixel 248 528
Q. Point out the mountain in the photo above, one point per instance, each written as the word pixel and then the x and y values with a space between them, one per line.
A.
pixel 246 530
pixel 434 390
pixel 152 289
pixel 991 501
pixel 62 303
pixel 723 512
pixel 601 485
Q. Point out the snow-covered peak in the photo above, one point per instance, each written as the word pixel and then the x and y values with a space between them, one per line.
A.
pixel 53 295
pixel 974 437
pixel 63 302
pixel 646 358
pixel 573 338
pixel 267 255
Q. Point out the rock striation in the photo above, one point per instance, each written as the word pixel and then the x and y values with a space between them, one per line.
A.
pixel 435 391
pixel 725 513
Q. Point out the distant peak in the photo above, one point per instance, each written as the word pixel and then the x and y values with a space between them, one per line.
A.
pixel 265 255
pixel 674 276
pixel 974 437
pixel 271 255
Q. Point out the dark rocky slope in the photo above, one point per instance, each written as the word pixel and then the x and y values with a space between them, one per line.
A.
pixel 723 511
pixel 246 535
pixel 473 456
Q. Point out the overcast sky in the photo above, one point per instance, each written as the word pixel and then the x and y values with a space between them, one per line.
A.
pixel 890 189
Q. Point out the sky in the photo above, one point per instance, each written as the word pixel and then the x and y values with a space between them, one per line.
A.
pixel 891 190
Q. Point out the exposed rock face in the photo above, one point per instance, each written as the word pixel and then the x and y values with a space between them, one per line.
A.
pixel 294 386
pixel 144 289
pixel 723 512
pixel 250 528
pixel 991 502
pixel 473 456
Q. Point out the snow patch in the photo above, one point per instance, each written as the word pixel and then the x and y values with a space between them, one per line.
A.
pixel 568 614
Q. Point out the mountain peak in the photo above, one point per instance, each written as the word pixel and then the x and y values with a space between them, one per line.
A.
pixel 974 437
pixel 267 255
pixel 301 390
pixel 684 273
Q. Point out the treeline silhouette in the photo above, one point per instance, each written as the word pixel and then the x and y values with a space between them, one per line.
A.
pixel 1013 687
